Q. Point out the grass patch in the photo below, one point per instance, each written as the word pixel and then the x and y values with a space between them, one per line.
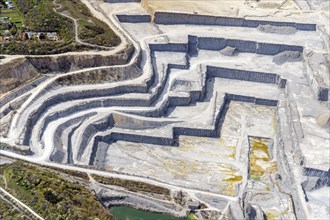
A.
pixel 233 179
pixel 192 216
pixel 255 178
pixel 258 146
pixel 14 17
pixel 51 196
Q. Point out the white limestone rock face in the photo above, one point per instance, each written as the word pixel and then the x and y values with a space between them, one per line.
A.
pixel 277 30
pixel 324 120
pixel 210 77
pixel 229 51
pixel 287 56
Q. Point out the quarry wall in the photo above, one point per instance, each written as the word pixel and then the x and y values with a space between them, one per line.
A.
pixel 169 18
pixel 66 63
pixel 134 18
pixel 15 73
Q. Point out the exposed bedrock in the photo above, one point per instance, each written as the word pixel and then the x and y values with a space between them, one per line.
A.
pixel 257 101
pixel 324 120
pixel 15 73
pixel 273 49
pixel 104 75
pixel 59 152
pixel 108 101
pixel 241 46
pixel 100 156
pixel 97 75
pixel 132 72
pixel 242 75
pixel 36 114
pixel 172 47
pixel 192 45
pixel 178 130
pixel 125 122
pixel 315 64
pixel 21 90
pixel 169 18
pixel 174 100
pixel 229 51
pixel 94 103
pixel 7 113
pixel 254 212
pixel 321 30
pixel 91 130
pixel 111 74
pixel 169 101
pixel 288 150
pixel 316 178
pixel 277 29
pixel 66 63
pixel 212 43
pixel 115 136
pixel 287 56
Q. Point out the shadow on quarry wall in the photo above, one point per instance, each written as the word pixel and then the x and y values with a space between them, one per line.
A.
pixel 169 18
pixel 315 179
pixel 134 18
pixel 15 74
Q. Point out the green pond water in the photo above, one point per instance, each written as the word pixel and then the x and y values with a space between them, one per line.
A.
pixel 128 213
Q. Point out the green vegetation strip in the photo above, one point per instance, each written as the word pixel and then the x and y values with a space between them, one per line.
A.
pixel 128 213
pixel 48 194
pixel 131 185
pixel 74 173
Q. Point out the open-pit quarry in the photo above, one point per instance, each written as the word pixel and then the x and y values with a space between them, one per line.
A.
pixel 224 103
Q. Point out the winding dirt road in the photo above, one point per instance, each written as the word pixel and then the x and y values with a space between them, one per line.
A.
pixel 76 26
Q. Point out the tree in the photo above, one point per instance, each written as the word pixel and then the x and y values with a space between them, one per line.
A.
pixel 13 30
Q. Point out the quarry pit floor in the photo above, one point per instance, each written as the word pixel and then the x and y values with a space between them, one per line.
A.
pixel 263 148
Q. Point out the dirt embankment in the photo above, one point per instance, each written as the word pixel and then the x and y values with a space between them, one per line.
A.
pixel 15 73
pixel 66 63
